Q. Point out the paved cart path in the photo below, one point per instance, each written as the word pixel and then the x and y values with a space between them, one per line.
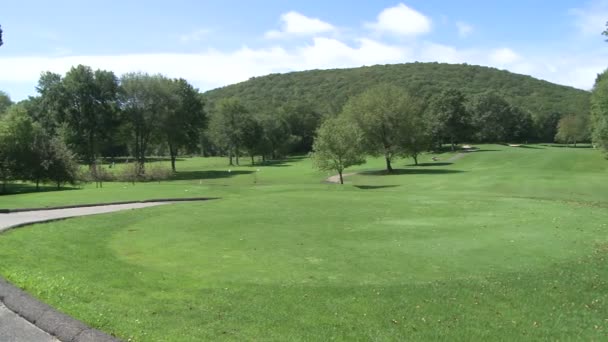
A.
pixel 14 328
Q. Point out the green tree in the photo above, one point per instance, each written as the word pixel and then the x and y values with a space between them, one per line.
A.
pixel 338 145
pixel 599 111
pixel 144 105
pixel 418 138
pixel 384 115
pixel 90 100
pixel 252 137
pixel 5 102
pixel 184 117
pixel 448 119
pixel 572 129
pixel 228 126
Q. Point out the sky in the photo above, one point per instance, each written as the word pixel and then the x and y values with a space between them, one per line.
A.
pixel 217 43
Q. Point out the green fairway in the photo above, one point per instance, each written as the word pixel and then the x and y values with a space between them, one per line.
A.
pixel 501 244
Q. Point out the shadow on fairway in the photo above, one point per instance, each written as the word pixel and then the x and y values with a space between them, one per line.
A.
pixel 483 150
pixel 397 172
pixel 430 164
pixel 570 146
pixel 13 189
pixel 375 187
pixel 214 174
pixel 532 147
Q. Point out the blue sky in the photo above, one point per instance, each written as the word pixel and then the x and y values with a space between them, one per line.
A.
pixel 215 43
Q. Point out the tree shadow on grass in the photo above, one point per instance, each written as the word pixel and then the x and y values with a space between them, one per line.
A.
pixel 25 188
pixel 430 164
pixel 483 150
pixel 212 174
pixel 531 147
pixel 570 146
pixel 397 172
pixel 375 187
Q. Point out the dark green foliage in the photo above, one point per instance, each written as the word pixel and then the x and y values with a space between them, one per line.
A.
pixel 448 119
pixel 328 90
pixel 496 120
pixel 573 129
pixel 29 153
pixel 599 111
pixel 5 102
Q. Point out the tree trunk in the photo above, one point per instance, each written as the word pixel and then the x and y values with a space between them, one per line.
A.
pixel 341 178
pixel 173 153
pixel 230 159
pixel 37 184
pixel 252 161
pixel 453 144
pixel 389 168
pixel 415 156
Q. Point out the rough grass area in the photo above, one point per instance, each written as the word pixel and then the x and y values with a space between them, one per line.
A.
pixel 502 244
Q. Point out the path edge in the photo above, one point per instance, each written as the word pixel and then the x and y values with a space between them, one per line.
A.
pixel 73 206
pixel 45 317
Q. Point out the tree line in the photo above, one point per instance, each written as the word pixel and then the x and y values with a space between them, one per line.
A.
pixel 88 114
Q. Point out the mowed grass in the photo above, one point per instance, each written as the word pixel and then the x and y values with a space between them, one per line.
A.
pixel 501 244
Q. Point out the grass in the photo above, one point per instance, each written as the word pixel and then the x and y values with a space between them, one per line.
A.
pixel 503 244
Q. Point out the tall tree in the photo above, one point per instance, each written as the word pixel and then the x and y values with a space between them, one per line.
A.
pixel 449 121
pixel 184 117
pixel 91 102
pixel 384 115
pixel 599 111
pixel 227 126
pixel 338 145
pixel 572 129
pixel 144 104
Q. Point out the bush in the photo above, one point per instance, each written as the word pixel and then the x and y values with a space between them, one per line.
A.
pixel 158 172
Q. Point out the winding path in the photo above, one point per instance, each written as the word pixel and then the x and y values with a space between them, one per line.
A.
pixel 14 327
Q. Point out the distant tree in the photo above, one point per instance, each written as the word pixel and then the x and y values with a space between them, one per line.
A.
pixel 572 129
pixel 5 102
pixel 277 138
pixel 338 145
pixel 418 138
pixel 599 111
pixel 383 113
pixel 252 136
pixel 605 33
pixel 303 120
pixel 448 119
pixel 144 103
pixel 1 42
pixel 227 126
pixel 492 118
pixel 89 109
pixel 62 165
pixel 184 117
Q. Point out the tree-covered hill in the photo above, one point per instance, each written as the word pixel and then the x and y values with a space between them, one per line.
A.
pixel 328 90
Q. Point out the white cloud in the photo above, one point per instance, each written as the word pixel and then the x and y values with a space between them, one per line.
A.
pixel 214 68
pixel 194 36
pixel 464 29
pixel 504 57
pixel 294 23
pixel 591 19
pixel 401 20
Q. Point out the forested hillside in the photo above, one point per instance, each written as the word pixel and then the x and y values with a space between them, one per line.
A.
pixel 328 90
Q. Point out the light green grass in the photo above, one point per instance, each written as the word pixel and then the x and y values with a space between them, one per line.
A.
pixel 503 244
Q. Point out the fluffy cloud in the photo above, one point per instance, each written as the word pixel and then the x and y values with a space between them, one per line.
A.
pixel 213 68
pixel 464 29
pixel 401 20
pixel 504 57
pixel 294 23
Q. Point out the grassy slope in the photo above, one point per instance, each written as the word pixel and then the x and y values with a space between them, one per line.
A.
pixel 507 243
